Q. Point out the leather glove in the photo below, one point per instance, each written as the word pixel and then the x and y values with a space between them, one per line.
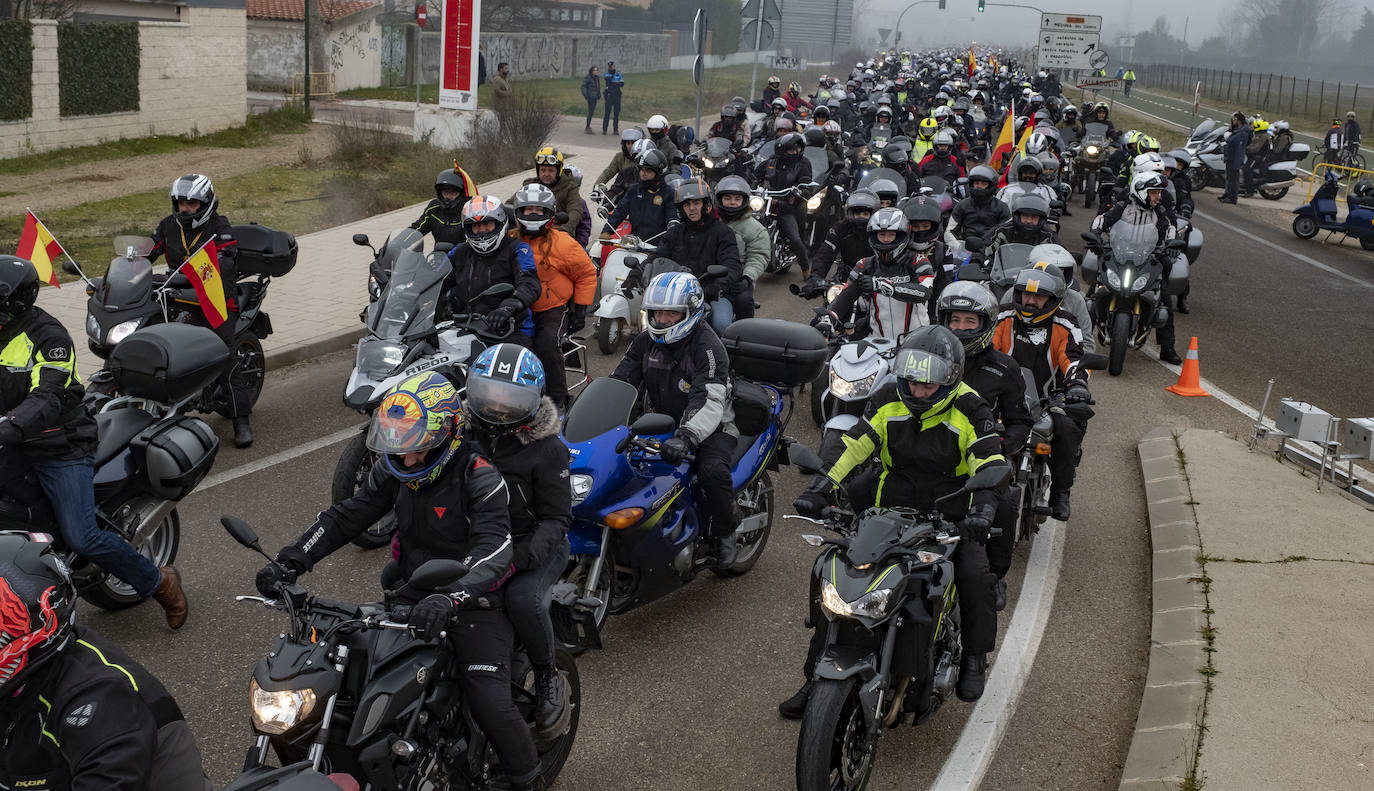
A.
pixel 577 318
pixel 431 615
pixel 291 563
pixel 538 547
pixel 815 498
pixel 1078 394
pixel 865 285
pixel 977 524
pixel 811 287
pixel 675 450
pixel 711 290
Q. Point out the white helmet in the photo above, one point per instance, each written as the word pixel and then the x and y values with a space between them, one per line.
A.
pixel 1148 162
pixel 657 123
pixel 640 146
pixel 1142 183
pixel 944 137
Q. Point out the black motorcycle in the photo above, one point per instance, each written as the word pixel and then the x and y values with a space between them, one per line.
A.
pixel 349 690
pixel 150 455
pixel 1125 301
pixel 892 632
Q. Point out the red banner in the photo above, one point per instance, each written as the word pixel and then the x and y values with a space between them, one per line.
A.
pixel 458 65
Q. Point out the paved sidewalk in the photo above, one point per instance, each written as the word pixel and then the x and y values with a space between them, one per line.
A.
pixel 314 309
pixel 1275 578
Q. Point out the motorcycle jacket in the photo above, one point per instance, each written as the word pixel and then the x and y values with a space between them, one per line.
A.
pixel 511 262
pixel 924 457
pixel 972 217
pixel 688 380
pixel 1010 233
pixel 997 378
pixel 443 224
pixel 845 243
pixel 665 144
pixel 781 172
pixel 1008 193
pixel 1183 195
pixel 949 168
pixel 173 243
pixel 96 720
pixel 566 272
pixel 751 238
pixel 696 246
pixel 1128 220
pixel 900 290
pixel 534 464
pixel 1051 351
pixel 734 132
pixel 648 206
pixel 40 393
pixel 462 514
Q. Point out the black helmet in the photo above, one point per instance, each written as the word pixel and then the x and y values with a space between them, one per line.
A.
pixel 1363 188
pixel 814 135
pixel 821 110
pixel 930 355
pixel 789 141
pixel 970 297
pixel 654 160
pixel 923 208
pixel 894 157
pixel 1028 165
pixel 982 173
pixel 860 201
pixel 727 112
pixel 889 219
pixel 886 190
pixel 194 186
pixel 1047 281
pixel 1032 204
pixel 452 180
pixel 734 185
pixel 18 287
pixel 37 607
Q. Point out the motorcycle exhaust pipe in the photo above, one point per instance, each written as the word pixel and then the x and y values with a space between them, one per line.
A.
pixel 149 521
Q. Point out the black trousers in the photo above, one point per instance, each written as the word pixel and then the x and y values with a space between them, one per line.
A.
pixel 1165 335
pixel 1064 450
pixel 548 328
pixel 712 470
pixel 1000 547
pixel 791 231
pixel 232 382
pixel 612 105
pixel 743 300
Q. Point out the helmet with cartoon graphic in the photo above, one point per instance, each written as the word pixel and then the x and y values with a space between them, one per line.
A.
pixel 422 415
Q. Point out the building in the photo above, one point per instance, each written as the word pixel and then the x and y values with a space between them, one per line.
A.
pixel 817 30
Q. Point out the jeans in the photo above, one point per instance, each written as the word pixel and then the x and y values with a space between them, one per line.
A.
pixel 71 492
pixel 527 605
pixel 722 314
pixel 591 111
pixel 548 328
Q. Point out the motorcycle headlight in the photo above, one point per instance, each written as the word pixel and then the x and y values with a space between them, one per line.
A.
pixel 843 388
pixel 581 487
pixel 1140 282
pixel 1092 150
pixel 833 292
pixel 1113 280
pixel 869 605
pixel 121 331
pixel 708 163
pixel 378 358
pixel 279 712
pixel 756 203
pixel 814 202
pixel 92 328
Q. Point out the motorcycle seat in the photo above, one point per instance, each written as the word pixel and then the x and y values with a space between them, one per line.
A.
pixel 116 428
pixel 1360 201
pixel 742 446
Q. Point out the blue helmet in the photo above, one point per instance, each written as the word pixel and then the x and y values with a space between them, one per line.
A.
pixel 421 414
pixel 675 291
pixel 505 385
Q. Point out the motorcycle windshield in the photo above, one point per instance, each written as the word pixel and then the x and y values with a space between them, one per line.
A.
pixel 604 406
pixel 820 164
pixel 881 134
pixel 717 148
pixel 128 283
pixel 1133 253
pixel 935 184
pixel 1203 129
pixel 396 242
pixel 1007 261
pixel 407 306
pixel 1094 129
pixel 882 173
pixel 879 532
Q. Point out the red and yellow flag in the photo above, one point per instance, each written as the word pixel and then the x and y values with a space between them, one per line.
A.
pixel 37 244
pixel 1025 135
pixel 972 63
pixel 1004 141
pixel 469 185
pixel 203 271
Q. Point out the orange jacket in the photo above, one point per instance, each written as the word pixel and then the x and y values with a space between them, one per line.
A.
pixel 565 270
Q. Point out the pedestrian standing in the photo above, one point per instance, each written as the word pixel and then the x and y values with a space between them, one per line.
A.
pixel 1235 156
pixel 591 91
pixel 501 92
pixel 614 82
pixel 1350 133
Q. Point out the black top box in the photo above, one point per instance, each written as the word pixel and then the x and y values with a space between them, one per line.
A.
pixel 263 250
pixel 168 363
pixel 775 351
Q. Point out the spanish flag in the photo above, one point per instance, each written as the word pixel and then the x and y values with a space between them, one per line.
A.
pixel 1004 141
pixel 972 63
pixel 469 185
pixel 38 245
pixel 203 270
pixel 1025 135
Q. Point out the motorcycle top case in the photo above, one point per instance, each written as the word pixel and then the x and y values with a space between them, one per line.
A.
pixel 173 458
pixel 263 250
pixel 168 363
pixel 772 350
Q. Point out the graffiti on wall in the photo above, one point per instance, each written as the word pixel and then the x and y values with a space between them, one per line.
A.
pixel 529 56
pixel 353 43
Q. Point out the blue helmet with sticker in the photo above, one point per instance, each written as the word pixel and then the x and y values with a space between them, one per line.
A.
pixel 505 385
pixel 678 292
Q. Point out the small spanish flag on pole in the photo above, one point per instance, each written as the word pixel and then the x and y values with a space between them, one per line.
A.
pixel 972 63
pixel 1005 141
pixel 202 268
pixel 469 186
pixel 37 244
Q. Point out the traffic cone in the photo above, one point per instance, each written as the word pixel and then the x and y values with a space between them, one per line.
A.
pixel 1189 383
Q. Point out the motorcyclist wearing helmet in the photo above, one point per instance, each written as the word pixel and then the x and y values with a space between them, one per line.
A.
pixel 1100 114
pixel 45 428
pixel 970 311
pixel 794 98
pixel 682 370
pixel 1256 156
pixel 583 234
pixel 929 431
pixel 700 241
pixel 896 280
pixel 195 220
pixel 568 279
pixel 925 138
pixel 450 502
pixel 788 169
pixel 76 712
pixel 549 171
pixel 1075 304
pixel 728 128
pixel 1143 218
pixel 776 107
pixel 1133 144
pixel 649 203
pixel 624 157
pixel 845 244
pixel 1070 126
pixel 488 257
pixel 1023 178
pixel 943 161
pixel 924 217
pixel 443 216
pixel 629 175
pixel 751 238
pixel 895 158
pixel 1029 224
pixel 516 426
pixel 658 132
pixel 982 210
pixel 773 91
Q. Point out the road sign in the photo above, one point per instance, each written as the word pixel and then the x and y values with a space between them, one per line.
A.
pixel 1098 59
pixel 699 30
pixel 770 11
pixel 765 41
pixel 1060 49
pixel 883 33
pixel 421 15
pixel 1079 22
pixel 697 70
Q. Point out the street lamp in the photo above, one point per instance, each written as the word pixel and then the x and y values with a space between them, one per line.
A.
pixel 898 26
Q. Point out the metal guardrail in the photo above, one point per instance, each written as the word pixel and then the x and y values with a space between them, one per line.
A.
pixel 321 84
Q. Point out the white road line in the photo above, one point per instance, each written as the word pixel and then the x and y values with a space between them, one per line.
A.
pixel 278 458
pixel 1176 124
pixel 968 762
pixel 1187 107
pixel 1286 252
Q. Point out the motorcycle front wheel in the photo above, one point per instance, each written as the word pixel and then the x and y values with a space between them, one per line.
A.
pixel 247 375
pixel 1197 178
pixel 835 750
pixel 1367 242
pixel 1121 340
pixel 608 335
pixel 353 468
pixel 1089 190
pixel 1305 227
pixel 818 388
pixel 160 548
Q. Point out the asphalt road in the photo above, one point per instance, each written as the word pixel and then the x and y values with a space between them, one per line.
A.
pixel 683 695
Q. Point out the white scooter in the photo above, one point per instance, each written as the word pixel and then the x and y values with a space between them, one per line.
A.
pixel 617 315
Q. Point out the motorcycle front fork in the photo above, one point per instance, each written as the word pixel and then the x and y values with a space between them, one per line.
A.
pixel 594 573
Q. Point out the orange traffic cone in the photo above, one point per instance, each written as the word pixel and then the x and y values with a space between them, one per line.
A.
pixel 1189 383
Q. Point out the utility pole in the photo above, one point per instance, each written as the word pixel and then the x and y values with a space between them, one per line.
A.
pixel 307 58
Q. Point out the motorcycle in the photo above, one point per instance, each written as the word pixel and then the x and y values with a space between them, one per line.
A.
pixel 1093 151
pixel 617 314
pixel 892 632
pixel 713 161
pixel 637 521
pixel 1322 214
pixel 150 454
pixel 767 205
pixel 130 297
pixel 1208 166
pixel 1192 235
pixel 349 691
pixel 1125 298
pixel 823 207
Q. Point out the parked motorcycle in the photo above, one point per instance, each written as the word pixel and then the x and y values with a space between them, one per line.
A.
pixel 349 691
pixel 1322 214
pixel 150 456
pixel 1125 299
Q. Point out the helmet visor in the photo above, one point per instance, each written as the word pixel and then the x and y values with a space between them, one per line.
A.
pixel 923 367
pixel 500 402
pixel 402 425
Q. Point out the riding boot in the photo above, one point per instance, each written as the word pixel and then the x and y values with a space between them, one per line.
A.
pixel 243 432
pixel 170 595
pixel 548 686
pixel 973 676
pixel 727 551
pixel 1170 355
pixel 794 707
pixel 1181 306
pixel 1000 590
pixel 1059 504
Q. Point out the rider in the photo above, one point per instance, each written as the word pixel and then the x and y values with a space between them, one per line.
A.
pixel 75 711
pixel 1143 218
pixel 648 204
pixel 700 241
pixel 623 158
pixel 895 158
pixel 1350 133
pixel 1024 178
pixel 776 108
pixel 925 138
pixel 981 211
pixel 488 257
pixel 548 171
pixel 517 426
pixel 44 427
pixel 193 222
pixel 728 128
pixel 845 243
pixel 788 169
pixel 1075 304
pixel 568 277
pixel 1042 337
pixel 894 279
pixel 930 431
pixel 450 502
pixel 751 238
pixel 773 91
pixel 1100 112
pixel 1070 126
pixel 658 132
pixel 923 215
pixel 680 367
pixel 1256 155
pixel 629 175
pixel 1029 224
pixel 443 217
pixel 970 311
pixel 1183 207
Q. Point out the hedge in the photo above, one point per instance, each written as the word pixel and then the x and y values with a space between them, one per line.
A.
pixel 97 68
pixel 16 64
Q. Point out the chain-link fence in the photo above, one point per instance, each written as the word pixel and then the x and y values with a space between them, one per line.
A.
pixel 1310 103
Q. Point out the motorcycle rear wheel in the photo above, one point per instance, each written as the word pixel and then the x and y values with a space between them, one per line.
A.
pixel 1197 178
pixel 608 335
pixel 1121 341
pixel 1304 227
pixel 160 548
pixel 1367 242
pixel 247 375
pixel 1269 193
pixel 835 752
pixel 553 754
pixel 353 468
pixel 761 494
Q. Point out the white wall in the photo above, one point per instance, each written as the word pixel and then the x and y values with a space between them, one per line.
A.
pixel 352 47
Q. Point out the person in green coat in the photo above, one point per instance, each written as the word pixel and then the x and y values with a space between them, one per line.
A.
pixel 732 201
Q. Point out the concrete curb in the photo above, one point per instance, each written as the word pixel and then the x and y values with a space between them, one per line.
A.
pixel 316 347
pixel 1169 724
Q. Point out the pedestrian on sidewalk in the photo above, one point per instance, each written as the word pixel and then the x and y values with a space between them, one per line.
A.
pixel 591 91
pixel 615 81
pixel 501 92
pixel 1235 156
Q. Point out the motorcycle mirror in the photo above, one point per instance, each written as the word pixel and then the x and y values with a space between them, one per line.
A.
pixel 360 239
pixel 437 573
pixel 1176 244
pixel 651 423
pixel 1089 236
pixel 992 476
pixel 1093 361
pixel 805 459
pixel 241 532
pixel 496 290
pixel 716 270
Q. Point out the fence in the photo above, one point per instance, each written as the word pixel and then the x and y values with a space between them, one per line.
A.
pixel 1298 97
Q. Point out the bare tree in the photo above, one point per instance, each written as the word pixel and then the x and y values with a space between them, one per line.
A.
pixel 521 15
pixel 1289 25
pixel 42 9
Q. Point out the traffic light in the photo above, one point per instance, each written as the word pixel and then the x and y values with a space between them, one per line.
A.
pixel 942 5
pixel 982 5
